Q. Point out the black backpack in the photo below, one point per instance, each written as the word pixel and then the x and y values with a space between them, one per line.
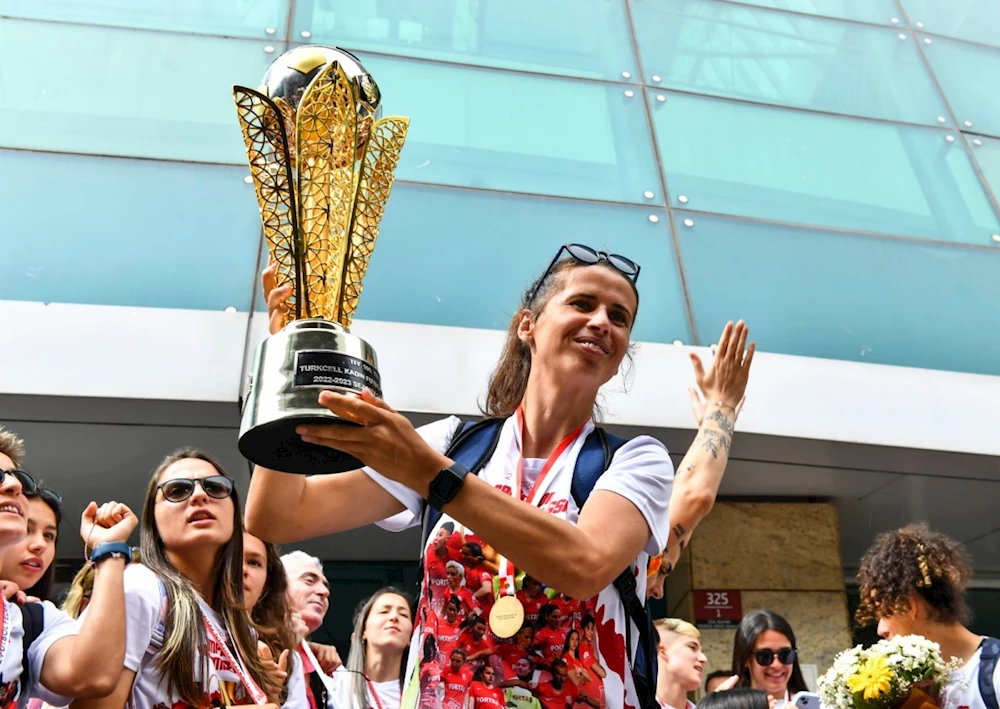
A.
pixel 33 622
pixel 474 444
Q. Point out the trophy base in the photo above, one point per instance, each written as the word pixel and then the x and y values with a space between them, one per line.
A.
pixel 276 445
pixel 290 370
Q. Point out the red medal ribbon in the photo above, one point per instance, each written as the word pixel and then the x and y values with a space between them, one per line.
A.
pixel 253 689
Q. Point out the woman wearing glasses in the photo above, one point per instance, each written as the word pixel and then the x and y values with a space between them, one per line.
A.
pixel 190 641
pixel 765 656
pixel 569 336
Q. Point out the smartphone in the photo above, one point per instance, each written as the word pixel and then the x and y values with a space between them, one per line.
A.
pixel 806 700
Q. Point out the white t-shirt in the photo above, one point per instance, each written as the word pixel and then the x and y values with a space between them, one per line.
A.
pixel 342 697
pixel 58 625
pixel 145 608
pixel 641 472
pixel 962 690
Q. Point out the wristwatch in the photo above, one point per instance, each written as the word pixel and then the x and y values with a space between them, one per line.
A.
pixel 446 485
pixel 108 550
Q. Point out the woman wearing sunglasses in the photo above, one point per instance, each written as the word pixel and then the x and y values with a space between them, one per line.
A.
pixel 190 642
pixel 765 656
pixel 66 660
pixel 569 335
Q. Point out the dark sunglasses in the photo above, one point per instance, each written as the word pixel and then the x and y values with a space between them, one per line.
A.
pixel 584 254
pixel 765 657
pixel 217 486
pixel 28 485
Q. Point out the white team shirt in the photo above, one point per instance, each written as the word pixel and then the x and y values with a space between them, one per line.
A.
pixel 14 690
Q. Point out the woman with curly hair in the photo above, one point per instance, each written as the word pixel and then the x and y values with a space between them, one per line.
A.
pixel 913 582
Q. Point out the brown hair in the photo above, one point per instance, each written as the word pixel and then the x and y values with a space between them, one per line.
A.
pixel 271 616
pixel 914 561
pixel 509 378
pixel 184 635
pixel 12 446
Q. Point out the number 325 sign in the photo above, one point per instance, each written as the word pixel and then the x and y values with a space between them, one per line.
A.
pixel 717 609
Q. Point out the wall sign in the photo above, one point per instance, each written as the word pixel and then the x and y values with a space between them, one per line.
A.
pixel 717 609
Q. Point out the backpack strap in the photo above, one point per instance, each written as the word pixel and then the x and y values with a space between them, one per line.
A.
pixel 593 461
pixel 33 623
pixel 987 665
pixel 160 631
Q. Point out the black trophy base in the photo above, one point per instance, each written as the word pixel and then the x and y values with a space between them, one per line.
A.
pixel 276 445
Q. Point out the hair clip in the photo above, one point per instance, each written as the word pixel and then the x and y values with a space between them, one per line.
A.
pixel 924 582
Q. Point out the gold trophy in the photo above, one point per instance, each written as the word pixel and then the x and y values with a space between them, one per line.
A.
pixel 322 161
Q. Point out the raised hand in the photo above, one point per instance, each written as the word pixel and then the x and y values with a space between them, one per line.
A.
pixel 726 378
pixel 279 669
pixel 277 298
pixel 111 522
pixel 385 440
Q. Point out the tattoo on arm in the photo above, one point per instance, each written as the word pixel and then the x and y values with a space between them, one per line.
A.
pixel 712 440
pixel 722 420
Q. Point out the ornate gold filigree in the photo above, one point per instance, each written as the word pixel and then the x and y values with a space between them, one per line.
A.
pixel 267 150
pixel 374 183
pixel 321 208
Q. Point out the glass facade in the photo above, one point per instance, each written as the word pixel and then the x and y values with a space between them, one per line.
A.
pixel 827 169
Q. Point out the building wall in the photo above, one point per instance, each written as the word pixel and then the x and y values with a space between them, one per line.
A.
pixel 829 168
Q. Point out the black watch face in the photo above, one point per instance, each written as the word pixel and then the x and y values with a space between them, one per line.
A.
pixel 449 485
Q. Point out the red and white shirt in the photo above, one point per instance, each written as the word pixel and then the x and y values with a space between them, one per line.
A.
pixel 640 471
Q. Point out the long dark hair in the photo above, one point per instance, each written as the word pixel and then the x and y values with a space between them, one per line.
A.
pixel 753 624
pixel 737 698
pixel 184 636
pixel 271 616
pixel 43 588
pixel 509 379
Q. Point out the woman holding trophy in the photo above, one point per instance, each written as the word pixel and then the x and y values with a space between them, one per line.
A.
pixel 537 494
pixel 567 340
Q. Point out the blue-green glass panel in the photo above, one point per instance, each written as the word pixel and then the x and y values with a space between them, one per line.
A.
pixel 794 166
pixel 972 20
pixel 879 12
pixel 727 49
pixel 515 132
pixel 986 152
pixel 112 231
pixel 110 91
pixel 248 18
pixel 841 296
pixel 584 38
pixel 968 76
pixel 454 257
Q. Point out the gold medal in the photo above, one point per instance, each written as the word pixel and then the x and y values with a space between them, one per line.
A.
pixel 506 617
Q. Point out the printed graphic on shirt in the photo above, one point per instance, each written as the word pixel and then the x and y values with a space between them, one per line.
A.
pixel 145 603
pixel 569 652
pixel 551 661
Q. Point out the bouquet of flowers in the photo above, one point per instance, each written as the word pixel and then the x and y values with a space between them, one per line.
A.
pixel 906 672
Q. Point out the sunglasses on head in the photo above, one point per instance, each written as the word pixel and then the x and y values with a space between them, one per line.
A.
pixel 785 655
pixel 50 496
pixel 216 486
pixel 584 254
pixel 28 485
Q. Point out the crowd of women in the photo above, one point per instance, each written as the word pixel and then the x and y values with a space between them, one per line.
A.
pixel 540 551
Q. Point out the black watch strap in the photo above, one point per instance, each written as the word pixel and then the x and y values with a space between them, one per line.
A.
pixel 446 485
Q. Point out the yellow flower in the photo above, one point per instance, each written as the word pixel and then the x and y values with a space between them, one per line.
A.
pixel 873 678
